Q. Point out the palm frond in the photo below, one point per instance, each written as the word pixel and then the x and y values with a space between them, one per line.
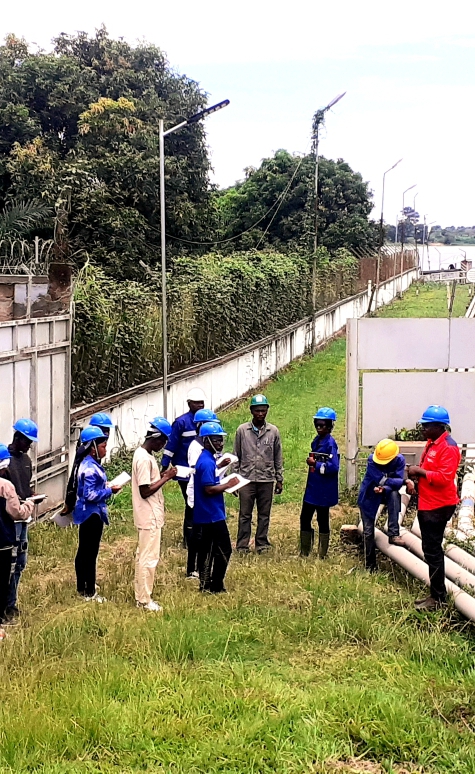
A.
pixel 19 218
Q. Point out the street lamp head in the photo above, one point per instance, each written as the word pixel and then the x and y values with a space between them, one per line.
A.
pixel 207 111
pixel 410 188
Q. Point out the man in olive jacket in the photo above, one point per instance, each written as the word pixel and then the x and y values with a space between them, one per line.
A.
pixel 258 448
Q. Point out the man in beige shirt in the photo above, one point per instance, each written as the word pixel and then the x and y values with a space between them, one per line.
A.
pixel 149 509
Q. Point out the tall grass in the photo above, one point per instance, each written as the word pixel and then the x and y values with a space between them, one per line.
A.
pixel 304 666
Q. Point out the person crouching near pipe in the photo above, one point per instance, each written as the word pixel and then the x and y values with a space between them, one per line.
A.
pixel 90 511
pixel 209 514
pixel 321 491
pixel 383 479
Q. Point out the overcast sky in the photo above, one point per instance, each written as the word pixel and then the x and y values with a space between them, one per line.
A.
pixel 408 68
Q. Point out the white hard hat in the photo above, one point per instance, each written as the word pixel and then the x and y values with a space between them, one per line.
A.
pixel 196 394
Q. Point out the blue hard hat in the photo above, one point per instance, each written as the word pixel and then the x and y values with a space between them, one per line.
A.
pixel 92 434
pixel 204 415
pixel 101 419
pixel 163 425
pixel 211 428
pixel 325 413
pixel 435 414
pixel 28 428
pixel 4 453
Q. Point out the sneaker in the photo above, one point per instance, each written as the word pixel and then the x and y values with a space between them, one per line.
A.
pixel 192 576
pixel 397 540
pixel 95 598
pixel 152 606
pixel 429 604
pixel 12 612
pixel 219 591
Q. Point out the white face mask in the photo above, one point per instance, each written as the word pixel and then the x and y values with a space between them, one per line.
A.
pixel 4 464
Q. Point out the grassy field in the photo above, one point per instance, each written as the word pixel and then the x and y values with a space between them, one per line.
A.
pixel 305 666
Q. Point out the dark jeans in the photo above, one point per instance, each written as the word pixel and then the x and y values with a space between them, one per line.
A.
pixel 261 493
pixel 393 502
pixel 214 552
pixel 188 535
pixel 432 524
pixel 90 533
pixel 323 518
pixel 19 560
pixel 5 571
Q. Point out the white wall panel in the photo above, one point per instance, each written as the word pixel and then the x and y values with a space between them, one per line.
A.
pixel 6 407
pixel 397 400
pixel 21 402
pixel 44 404
pixel 395 343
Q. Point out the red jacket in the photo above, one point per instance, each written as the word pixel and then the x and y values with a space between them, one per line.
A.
pixel 440 459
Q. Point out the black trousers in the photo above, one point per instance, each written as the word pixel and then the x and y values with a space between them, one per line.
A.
pixel 90 533
pixel 188 534
pixel 214 552
pixel 433 524
pixel 260 493
pixel 5 572
pixel 323 518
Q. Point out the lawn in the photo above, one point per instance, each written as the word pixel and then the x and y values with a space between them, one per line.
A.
pixel 305 666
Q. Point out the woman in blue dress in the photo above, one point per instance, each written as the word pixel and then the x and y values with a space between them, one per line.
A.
pixel 322 484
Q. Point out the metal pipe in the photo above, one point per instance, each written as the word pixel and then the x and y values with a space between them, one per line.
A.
pixel 457 554
pixel 464 603
pixel 164 269
pixel 453 571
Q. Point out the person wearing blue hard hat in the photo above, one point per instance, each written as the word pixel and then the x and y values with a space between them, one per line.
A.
pixel 149 510
pixel 105 423
pixel 90 511
pixel 321 491
pixel 11 512
pixel 194 450
pixel 176 451
pixel 20 473
pixel 437 497
pixel 209 514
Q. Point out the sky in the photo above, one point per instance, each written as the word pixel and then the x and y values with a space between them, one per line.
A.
pixel 407 67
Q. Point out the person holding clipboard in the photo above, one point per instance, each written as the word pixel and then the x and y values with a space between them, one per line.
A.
pixel 209 514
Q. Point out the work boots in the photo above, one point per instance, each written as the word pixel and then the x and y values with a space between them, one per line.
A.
pixel 323 543
pixel 306 542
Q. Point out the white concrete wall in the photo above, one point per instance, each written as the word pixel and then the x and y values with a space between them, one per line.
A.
pixel 231 376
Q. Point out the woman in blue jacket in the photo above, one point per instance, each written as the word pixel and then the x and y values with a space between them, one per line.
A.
pixel 322 484
pixel 90 511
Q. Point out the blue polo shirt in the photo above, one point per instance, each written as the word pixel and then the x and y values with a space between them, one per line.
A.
pixel 207 508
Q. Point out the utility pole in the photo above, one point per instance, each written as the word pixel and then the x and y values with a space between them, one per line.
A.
pixel 318 120
pixel 381 233
pixel 402 238
pixel 162 134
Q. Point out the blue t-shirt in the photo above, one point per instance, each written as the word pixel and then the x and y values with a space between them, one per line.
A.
pixel 207 508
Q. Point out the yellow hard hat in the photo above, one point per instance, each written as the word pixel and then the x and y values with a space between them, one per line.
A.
pixel 386 450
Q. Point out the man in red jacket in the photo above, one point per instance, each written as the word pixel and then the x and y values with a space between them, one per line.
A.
pixel 438 498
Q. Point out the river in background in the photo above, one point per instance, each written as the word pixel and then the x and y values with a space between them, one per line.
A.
pixel 441 256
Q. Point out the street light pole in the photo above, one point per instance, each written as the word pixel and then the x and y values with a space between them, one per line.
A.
pixel 381 233
pixel 162 134
pixel 318 119
pixel 402 238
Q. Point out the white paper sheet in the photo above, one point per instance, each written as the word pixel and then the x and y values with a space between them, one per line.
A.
pixel 242 482
pixel 121 480
pixel 182 471
pixel 231 459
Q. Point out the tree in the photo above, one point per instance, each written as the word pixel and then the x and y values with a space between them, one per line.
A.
pixel 19 219
pixel 79 129
pixel 275 205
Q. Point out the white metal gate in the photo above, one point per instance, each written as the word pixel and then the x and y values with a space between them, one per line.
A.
pixel 35 357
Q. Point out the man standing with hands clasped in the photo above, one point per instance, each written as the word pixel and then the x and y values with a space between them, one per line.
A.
pixel 438 498
pixel 258 448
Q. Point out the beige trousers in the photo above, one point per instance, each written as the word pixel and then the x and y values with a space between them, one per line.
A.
pixel 146 559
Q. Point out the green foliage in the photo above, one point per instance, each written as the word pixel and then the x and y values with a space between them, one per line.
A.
pixel 18 219
pixel 216 304
pixel 344 205
pixel 409 434
pixel 79 129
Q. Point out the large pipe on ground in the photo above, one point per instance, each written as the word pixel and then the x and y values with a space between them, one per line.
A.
pixel 453 570
pixel 457 554
pixel 464 603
